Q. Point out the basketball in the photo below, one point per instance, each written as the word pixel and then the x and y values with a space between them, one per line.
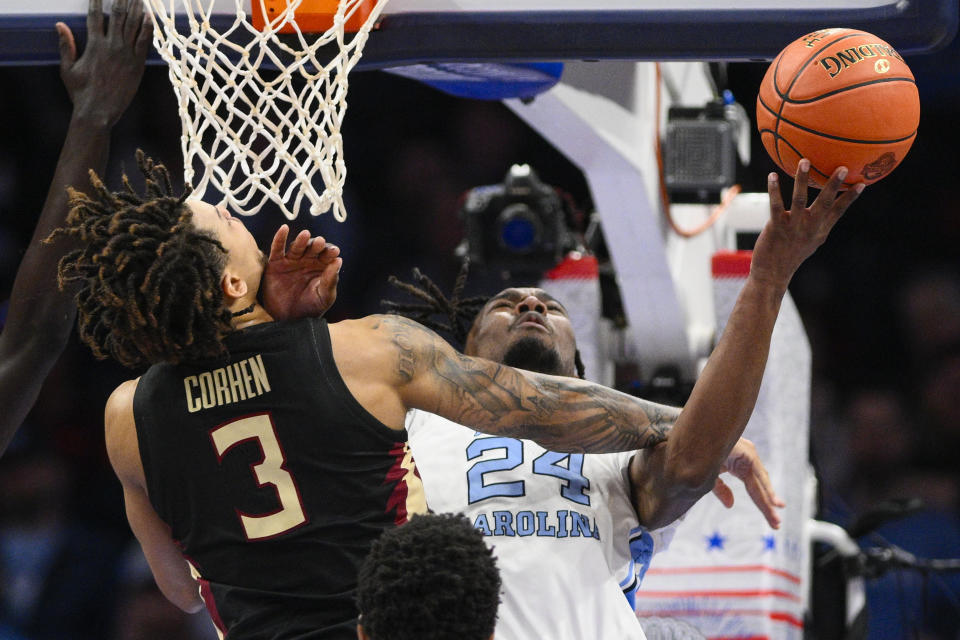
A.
pixel 838 97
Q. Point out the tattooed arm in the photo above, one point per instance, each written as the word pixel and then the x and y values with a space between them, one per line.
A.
pixel 391 364
pixel 404 365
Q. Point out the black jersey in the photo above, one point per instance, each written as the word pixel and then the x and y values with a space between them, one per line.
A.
pixel 273 479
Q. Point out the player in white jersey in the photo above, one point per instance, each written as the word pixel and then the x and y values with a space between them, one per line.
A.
pixel 561 525
pixel 568 540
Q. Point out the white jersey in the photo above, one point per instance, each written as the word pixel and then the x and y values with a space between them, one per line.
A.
pixel 563 528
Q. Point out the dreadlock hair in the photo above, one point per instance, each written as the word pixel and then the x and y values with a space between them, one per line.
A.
pixel 460 315
pixel 578 363
pixel 432 578
pixel 149 279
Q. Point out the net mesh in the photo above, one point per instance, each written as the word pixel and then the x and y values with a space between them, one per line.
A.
pixel 261 112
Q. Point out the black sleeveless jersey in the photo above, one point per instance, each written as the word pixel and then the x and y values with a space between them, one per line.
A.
pixel 273 479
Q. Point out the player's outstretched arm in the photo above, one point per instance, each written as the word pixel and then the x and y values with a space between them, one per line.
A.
pixel 101 83
pixel 403 365
pixel 668 483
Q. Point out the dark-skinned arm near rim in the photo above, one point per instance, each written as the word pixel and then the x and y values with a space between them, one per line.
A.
pixel 101 83
pixel 669 479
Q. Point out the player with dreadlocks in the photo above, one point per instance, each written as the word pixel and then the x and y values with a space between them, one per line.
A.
pixel 272 454
pixel 459 313
pixel 175 311
pixel 574 533
pixel 587 570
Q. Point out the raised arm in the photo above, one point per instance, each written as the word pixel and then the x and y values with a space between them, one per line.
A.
pixel 669 480
pixel 101 84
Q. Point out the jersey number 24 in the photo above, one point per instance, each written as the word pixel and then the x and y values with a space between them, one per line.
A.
pixel 573 484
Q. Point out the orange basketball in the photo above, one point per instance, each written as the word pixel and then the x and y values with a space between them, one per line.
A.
pixel 838 97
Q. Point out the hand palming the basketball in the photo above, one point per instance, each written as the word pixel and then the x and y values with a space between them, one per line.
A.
pixel 103 80
pixel 791 236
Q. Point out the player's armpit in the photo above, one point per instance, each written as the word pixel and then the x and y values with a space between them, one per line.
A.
pixel 560 413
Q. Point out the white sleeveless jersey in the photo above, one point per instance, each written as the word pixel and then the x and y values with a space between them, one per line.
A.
pixel 564 531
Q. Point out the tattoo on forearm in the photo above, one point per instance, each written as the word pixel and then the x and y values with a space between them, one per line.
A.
pixel 560 414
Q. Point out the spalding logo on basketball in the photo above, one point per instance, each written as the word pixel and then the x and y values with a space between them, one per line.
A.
pixel 838 97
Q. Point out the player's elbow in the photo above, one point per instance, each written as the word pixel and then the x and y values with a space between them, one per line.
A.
pixel 191 605
pixel 194 606
pixel 690 480
pixel 184 596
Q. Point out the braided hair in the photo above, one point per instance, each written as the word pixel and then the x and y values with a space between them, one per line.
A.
pixel 460 314
pixel 149 278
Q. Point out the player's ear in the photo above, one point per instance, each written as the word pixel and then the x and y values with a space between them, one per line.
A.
pixel 234 287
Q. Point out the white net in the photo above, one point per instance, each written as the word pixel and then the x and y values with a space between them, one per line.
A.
pixel 262 111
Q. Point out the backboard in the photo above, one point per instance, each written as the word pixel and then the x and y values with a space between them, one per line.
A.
pixel 414 31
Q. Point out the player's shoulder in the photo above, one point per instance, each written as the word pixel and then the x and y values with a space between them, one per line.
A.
pixel 118 414
pixel 120 431
pixel 388 332
pixel 347 335
pixel 122 397
pixel 387 324
pixel 366 328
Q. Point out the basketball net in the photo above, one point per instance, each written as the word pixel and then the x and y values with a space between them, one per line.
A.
pixel 258 134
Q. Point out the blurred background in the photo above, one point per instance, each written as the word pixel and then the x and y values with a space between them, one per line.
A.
pixel 880 301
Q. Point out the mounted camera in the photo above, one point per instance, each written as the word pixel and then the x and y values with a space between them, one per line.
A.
pixel 701 147
pixel 518 226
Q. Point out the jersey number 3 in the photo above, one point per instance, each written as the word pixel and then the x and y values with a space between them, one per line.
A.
pixel 268 471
